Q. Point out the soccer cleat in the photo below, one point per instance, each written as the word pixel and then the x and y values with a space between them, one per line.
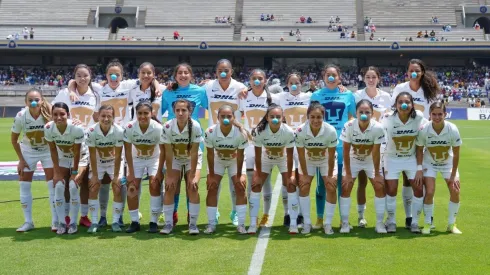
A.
pixel 25 227
pixel 408 223
pixel 153 228
pixel 264 220
pixel 241 229
pixel 300 220
pixel 116 227
pixel 293 229
pixel 193 230
pixel 252 230
pixel 361 223
pixel 287 220
pixel 234 218
pixel 102 221
pixel 167 229
pixel 61 229
pixel 318 224
pixel 451 228
pixel 54 227
pixel 161 220
pixel 345 228
pixel 176 217
pixel 67 219
pixel 121 222
pixel 85 221
pixel 210 229
pixel 306 229
pixel 414 228
pixel 327 228
pixel 133 227
pixel 72 228
pixel 391 228
pixel 93 228
pixel 426 229
pixel 140 216
pixel 380 228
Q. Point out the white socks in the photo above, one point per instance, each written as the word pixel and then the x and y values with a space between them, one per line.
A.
pixel 379 206
pixel 391 208
pixel 428 213
pixel 361 208
pixel 84 210
pixel 116 212
pixel 453 211
pixel 250 176
pixel 155 208
pixel 241 212
pixel 168 210
pixel 59 197
pixel 304 202
pixel 417 206
pixel 254 203
pixel 293 207
pixel 94 210
pixel 344 209
pixel 54 216
pixel 267 194
pixel 74 202
pixel 329 212
pixel 194 213
pixel 134 215
pixel 103 199
pixel 26 200
pixel 407 194
pixel 284 192
pixel 211 214
pixel 232 193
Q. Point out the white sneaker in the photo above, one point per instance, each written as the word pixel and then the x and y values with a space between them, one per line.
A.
pixel 193 230
pixel 61 229
pixel 361 222
pixel 380 228
pixel 345 228
pixel 293 229
pixel 252 229
pixel 54 227
pixel 210 229
pixel 306 229
pixel 167 229
pixel 327 228
pixel 414 228
pixel 453 229
pixel 161 220
pixel 426 229
pixel 26 227
pixel 241 229
pixel 72 228
pixel 391 228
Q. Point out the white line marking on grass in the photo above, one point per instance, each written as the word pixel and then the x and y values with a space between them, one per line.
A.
pixel 477 138
pixel 263 239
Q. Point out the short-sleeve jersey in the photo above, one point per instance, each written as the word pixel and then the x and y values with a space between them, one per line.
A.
pixel 225 147
pixel 217 97
pixel 419 100
pixel 400 137
pixel 105 144
pixel 316 146
pixel 255 107
pixel 145 145
pixel 118 98
pixel 73 134
pixel 362 142
pixel 82 109
pixel 439 151
pixel 274 144
pixel 295 107
pixel 136 95
pixel 180 139
pixel 33 142
pixel 381 102
pixel 193 93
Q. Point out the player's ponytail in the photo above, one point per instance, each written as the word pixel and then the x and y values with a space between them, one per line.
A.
pixel 428 81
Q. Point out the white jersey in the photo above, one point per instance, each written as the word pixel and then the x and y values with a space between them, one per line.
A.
pixel 180 140
pixel 73 134
pixel 33 142
pixel 401 138
pixel 217 97
pixel 254 108
pixel 145 145
pixel 295 107
pixel 316 146
pixel 273 144
pixel 381 102
pixel 439 151
pixel 104 144
pixel 225 147
pixel 118 98
pixel 419 99
pixel 82 109
pixel 362 142
pixel 136 95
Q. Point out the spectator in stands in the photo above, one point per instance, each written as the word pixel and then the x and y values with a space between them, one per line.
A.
pixel 309 39
pixel 352 35
pixel 367 29
pixel 162 39
pixel 268 18
pixel 262 17
pixel 181 38
pixel 426 35
pixel 435 19
pixel 230 20
pixel 312 87
pixel 410 39
pixel 93 39
pixel 447 28
pixel 462 39
pixel 276 88
pixel 371 37
pixel 272 17
pixel 298 32
pixel 342 34
pixel 25 33
pixel 472 39
pixel 477 26
pixel 298 37
pixel 419 34
pixel 432 33
pixel 309 20
pixel 216 19
pixel 253 39
pixel 123 38
pixel 83 37
pixel 337 19
pixel 31 33
pixel 291 33
pixel 366 21
pixel 246 39
pixel 339 28
pixel 261 39
pixel 302 19
pixel 477 103
pixel 10 37
pixel 282 39
pixel 176 35
pixel 373 28
pixel 331 20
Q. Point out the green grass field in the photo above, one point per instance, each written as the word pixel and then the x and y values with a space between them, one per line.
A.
pixel 361 252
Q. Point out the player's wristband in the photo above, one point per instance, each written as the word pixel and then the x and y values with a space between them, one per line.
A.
pixel 74 172
pixel 419 168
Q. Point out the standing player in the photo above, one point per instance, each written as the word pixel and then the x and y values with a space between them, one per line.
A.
pixel 144 153
pixel 32 149
pixel 254 106
pixel 226 143
pixel 401 129
pixel 182 136
pixel 423 87
pixel 442 140
pixel 362 140
pixel 382 103
pixel 339 107
pixel 147 89
pixel 316 142
pixel 271 139
pixel 105 142
pixel 65 141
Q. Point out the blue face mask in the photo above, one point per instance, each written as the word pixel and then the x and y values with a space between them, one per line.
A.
pixel 34 104
pixel 294 87
pixel 331 79
pixel 414 75
pixel 113 77
pixel 275 121
pixel 257 82
pixel 404 106
pixel 226 121
pixel 364 117
pixel 222 74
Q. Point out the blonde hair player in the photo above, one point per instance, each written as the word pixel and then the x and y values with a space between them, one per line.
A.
pixel 271 139
pixel 442 142
pixel 65 142
pixel 32 149
pixel 226 143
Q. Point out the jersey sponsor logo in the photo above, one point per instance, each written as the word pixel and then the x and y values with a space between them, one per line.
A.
pixel 224 97
pixel 362 140
pixel 256 106
pixel 331 98
pixel 106 144
pixel 63 142
pixel 404 132
pixel 315 144
pixel 276 144
pixel 435 142
pixel 183 96
pixel 38 127
pixel 81 103
pixel 226 146
pixel 143 140
pixel 182 140
pixel 295 104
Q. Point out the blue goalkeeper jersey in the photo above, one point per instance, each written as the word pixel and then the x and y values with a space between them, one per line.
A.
pixel 195 94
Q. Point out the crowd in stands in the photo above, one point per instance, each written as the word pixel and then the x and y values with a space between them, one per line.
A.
pixel 26 33
pixel 223 19
pixel 268 17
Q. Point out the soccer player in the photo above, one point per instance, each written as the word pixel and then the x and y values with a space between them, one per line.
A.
pixel 84 109
pixel 271 139
pixel 65 141
pixel 423 87
pixel 144 152
pixel 362 140
pixel 182 136
pixel 316 142
pixel 32 149
pixel 442 142
pixel 105 142
pixel 254 106
pixel 401 130
pixel 147 89
pixel 226 143
pixel 339 107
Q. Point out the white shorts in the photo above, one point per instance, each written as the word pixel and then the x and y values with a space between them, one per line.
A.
pixel 84 159
pixel 140 166
pixel 177 164
pixel 393 168
pixel 267 166
pixel 322 166
pixel 295 159
pixel 32 161
pixel 430 171
pixel 220 166
pixel 357 166
pixel 250 157
pixel 107 169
